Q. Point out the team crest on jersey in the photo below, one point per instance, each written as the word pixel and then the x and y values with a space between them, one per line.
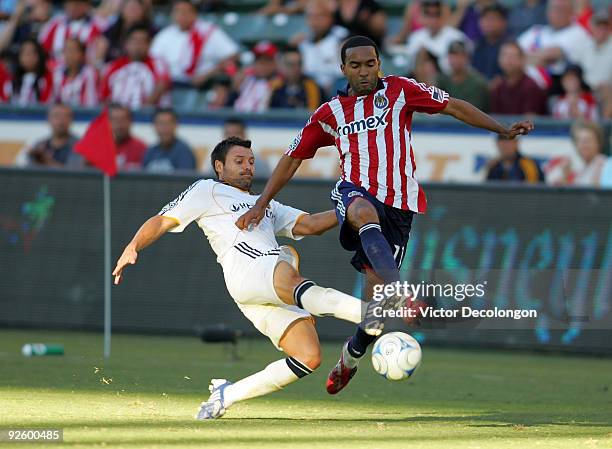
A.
pixel 380 101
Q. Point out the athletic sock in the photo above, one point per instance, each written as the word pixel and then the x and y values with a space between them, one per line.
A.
pixel 322 301
pixel 272 378
pixel 358 344
pixel 379 252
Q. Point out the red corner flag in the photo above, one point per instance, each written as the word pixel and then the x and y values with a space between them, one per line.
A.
pixel 98 145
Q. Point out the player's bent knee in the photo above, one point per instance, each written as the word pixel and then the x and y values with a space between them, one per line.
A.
pixel 361 212
pixel 311 358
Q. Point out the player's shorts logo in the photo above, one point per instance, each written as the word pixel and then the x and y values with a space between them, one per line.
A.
pixel 354 193
pixel 380 101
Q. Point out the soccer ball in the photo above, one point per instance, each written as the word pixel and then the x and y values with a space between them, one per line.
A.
pixel 396 356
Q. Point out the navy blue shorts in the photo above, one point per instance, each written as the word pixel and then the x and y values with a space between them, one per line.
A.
pixel 395 224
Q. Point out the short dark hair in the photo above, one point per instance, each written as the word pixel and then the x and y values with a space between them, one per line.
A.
pixel 234 121
pixel 495 8
pixel 139 27
pixel 357 41
pixel 191 3
pixel 120 107
pixel 514 44
pixel 170 111
pixel 220 151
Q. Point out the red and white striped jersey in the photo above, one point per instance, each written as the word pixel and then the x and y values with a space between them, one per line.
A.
pixel 80 90
pixel 33 90
pixel 54 34
pixel 5 84
pixel 373 136
pixel 193 52
pixel 130 83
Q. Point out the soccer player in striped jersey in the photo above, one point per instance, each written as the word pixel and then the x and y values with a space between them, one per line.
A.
pixel 262 278
pixel 378 193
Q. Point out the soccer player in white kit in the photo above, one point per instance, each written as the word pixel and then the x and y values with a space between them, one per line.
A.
pixel 262 278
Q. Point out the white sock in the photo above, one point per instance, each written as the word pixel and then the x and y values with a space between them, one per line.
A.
pixel 272 378
pixel 322 301
pixel 349 360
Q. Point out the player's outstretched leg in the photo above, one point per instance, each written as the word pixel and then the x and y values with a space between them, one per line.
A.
pixel 367 331
pixel 300 343
pixel 292 288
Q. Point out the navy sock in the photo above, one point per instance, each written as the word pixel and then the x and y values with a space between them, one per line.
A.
pixel 379 252
pixel 358 344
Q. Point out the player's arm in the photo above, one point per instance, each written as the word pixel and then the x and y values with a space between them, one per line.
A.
pixel 315 224
pixel 281 175
pixel 149 232
pixel 304 146
pixel 470 114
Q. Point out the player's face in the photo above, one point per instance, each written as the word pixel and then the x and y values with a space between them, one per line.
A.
pixel 361 69
pixel 239 168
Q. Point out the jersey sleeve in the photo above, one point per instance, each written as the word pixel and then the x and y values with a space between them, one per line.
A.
pixel 285 218
pixel 423 98
pixel 190 205
pixel 316 134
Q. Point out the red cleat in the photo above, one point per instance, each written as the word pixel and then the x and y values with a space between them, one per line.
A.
pixel 340 375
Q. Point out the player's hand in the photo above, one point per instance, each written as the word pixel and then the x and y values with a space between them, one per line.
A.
pixel 251 218
pixel 128 257
pixel 519 129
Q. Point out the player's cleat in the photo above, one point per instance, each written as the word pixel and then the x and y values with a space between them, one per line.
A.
pixel 373 320
pixel 215 406
pixel 340 375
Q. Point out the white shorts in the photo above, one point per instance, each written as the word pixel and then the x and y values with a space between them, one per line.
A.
pixel 252 286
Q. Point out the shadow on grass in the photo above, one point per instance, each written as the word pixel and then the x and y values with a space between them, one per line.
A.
pixel 488 419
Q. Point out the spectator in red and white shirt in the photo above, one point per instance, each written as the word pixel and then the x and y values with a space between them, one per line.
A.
pixel 32 82
pixel 5 84
pixel 111 44
pixel 137 79
pixel 74 82
pixel 130 149
pixel 577 102
pixel 260 80
pixel 78 22
pixel 195 50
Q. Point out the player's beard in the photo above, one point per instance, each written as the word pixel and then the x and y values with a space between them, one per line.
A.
pixel 244 183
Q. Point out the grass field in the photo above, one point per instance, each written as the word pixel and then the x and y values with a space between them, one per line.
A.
pixel 147 394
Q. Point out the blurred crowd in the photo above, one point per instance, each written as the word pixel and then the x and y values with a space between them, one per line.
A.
pixel 538 58
pixel 541 58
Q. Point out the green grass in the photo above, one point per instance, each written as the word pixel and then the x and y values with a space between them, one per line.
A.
pixel 457 399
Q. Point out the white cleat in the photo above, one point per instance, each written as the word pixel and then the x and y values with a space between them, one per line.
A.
pixel 214 407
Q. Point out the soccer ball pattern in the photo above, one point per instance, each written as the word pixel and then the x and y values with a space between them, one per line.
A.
pixel 396 356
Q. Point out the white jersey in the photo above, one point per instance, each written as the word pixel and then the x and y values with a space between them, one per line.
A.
pixel 216 206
